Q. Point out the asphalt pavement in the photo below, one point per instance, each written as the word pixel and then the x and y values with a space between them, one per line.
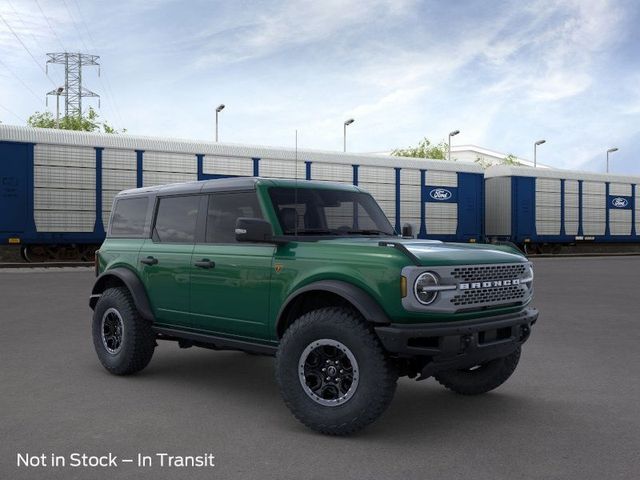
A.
pixel 571 410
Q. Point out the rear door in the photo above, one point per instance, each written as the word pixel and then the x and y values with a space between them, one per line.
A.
pixel 13 187
pixel 229 280
pixel 165 258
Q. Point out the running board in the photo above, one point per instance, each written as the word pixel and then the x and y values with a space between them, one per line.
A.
pixel 215 342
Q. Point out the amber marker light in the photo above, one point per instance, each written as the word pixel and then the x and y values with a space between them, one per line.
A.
pixel 403 286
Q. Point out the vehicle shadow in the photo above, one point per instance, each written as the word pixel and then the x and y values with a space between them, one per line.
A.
pixel 419 409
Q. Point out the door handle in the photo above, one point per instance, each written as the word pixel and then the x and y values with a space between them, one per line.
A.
pixel 205 263
pixel 149 260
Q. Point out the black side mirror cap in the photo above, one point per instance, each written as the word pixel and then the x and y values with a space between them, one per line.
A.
pixel 254 230
pixel 407 230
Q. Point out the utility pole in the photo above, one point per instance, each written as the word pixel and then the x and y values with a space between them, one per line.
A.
pixel 73 90
pixel 535 152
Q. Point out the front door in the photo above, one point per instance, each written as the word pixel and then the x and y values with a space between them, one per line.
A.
pixel 229 280
pixel 165 259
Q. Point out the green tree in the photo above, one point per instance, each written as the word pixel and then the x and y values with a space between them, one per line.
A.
pixel 510 159
pixel 425 149
pixel 88 122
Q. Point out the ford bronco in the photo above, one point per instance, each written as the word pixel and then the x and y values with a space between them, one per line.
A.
pixel 314 274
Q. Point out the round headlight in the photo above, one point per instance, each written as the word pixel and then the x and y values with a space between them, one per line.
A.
pixel 422 289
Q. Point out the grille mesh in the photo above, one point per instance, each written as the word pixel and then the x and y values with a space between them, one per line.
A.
pixel 489 295
pixel 481 273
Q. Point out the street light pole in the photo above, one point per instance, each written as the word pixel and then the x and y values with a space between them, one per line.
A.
pixel 218 110
pixel 535 152
pixel 59 90
pixel 344 134
pixel 451 134
pixel 611 150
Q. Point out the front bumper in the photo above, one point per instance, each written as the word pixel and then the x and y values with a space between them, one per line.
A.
pixel 454 345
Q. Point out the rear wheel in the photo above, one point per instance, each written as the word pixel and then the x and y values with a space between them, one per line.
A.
pixel 123 340
pixel 333 373
pixel 480 378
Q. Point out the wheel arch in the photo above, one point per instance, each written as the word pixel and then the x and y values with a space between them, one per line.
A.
pixel 123 277
pixel 331 291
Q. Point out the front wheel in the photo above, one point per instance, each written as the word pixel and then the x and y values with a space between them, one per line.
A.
pixel 333 373
pixel 480 378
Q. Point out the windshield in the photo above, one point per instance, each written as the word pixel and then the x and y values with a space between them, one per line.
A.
pixel 317 211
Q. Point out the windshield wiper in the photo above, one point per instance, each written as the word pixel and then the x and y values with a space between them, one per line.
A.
pixel 368 232
pixel 311 232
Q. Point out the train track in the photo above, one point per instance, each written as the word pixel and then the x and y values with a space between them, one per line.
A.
pixel 44 264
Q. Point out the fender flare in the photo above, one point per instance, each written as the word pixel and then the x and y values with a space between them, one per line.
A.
pixel 361 300
pixel 132 282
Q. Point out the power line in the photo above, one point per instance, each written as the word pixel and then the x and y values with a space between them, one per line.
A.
pixel 13 113
pixel 73 21
pixel 27 49
pixel 106 85
pixel 50 26
pixel 20 80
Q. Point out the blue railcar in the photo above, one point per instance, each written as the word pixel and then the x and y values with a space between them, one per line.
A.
pixel 58 186
pixel 547 206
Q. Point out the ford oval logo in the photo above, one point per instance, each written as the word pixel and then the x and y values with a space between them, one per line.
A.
pixel 440 194
pixel 619 202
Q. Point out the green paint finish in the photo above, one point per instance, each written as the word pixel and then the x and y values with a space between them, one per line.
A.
pixel 243 294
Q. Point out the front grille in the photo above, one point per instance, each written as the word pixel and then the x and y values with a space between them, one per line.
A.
pixel 510 294
pixel 481 273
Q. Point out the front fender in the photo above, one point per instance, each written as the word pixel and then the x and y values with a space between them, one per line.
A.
pixel 133 284
pixel 361 300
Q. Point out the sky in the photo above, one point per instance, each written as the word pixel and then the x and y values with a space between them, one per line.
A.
pixel 504 73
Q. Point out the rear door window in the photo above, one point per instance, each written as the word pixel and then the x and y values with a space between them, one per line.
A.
pixel 129 217
pixel 176 219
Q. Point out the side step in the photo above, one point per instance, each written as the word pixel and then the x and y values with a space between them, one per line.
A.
pixel 215 342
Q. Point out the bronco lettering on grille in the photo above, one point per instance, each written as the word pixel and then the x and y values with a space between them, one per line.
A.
pixel 488 284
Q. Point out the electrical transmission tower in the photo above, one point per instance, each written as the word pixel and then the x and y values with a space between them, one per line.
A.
pixel 73 90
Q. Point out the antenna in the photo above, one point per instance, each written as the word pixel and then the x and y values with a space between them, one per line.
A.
pixel 295 189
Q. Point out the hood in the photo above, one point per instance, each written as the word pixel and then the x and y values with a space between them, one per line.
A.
pixel 435 253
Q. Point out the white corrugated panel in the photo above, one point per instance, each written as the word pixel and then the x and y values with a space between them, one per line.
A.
pixel 637 207
pixel 383 175
pixel 148 144
pixel 150 179
pixel 548 202
pixel 571 186
pixel 214 165
pixel 381 191
pixel 409 177
pixel 65 199
pixel 620 221
pixel 272 168
pixel 441 218
pixel 64 220
pixel 64 188
pixel 115 159
pixel 620 189
pixel 169 162
pixel 332 172
pixel 438 178
pixel 64 156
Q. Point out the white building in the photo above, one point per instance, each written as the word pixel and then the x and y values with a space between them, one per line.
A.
pixel 486 156
pixel 471 153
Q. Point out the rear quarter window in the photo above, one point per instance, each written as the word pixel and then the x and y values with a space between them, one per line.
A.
pixel 128 219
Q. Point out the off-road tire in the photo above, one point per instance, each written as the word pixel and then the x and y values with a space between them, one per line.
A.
pixel 485 378
pixel 377 376
pixel 138 339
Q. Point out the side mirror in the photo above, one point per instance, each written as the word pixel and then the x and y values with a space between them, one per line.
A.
pixel 253 230
pixel 407 230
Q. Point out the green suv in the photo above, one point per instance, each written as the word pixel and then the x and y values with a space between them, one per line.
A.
pixel 312 273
